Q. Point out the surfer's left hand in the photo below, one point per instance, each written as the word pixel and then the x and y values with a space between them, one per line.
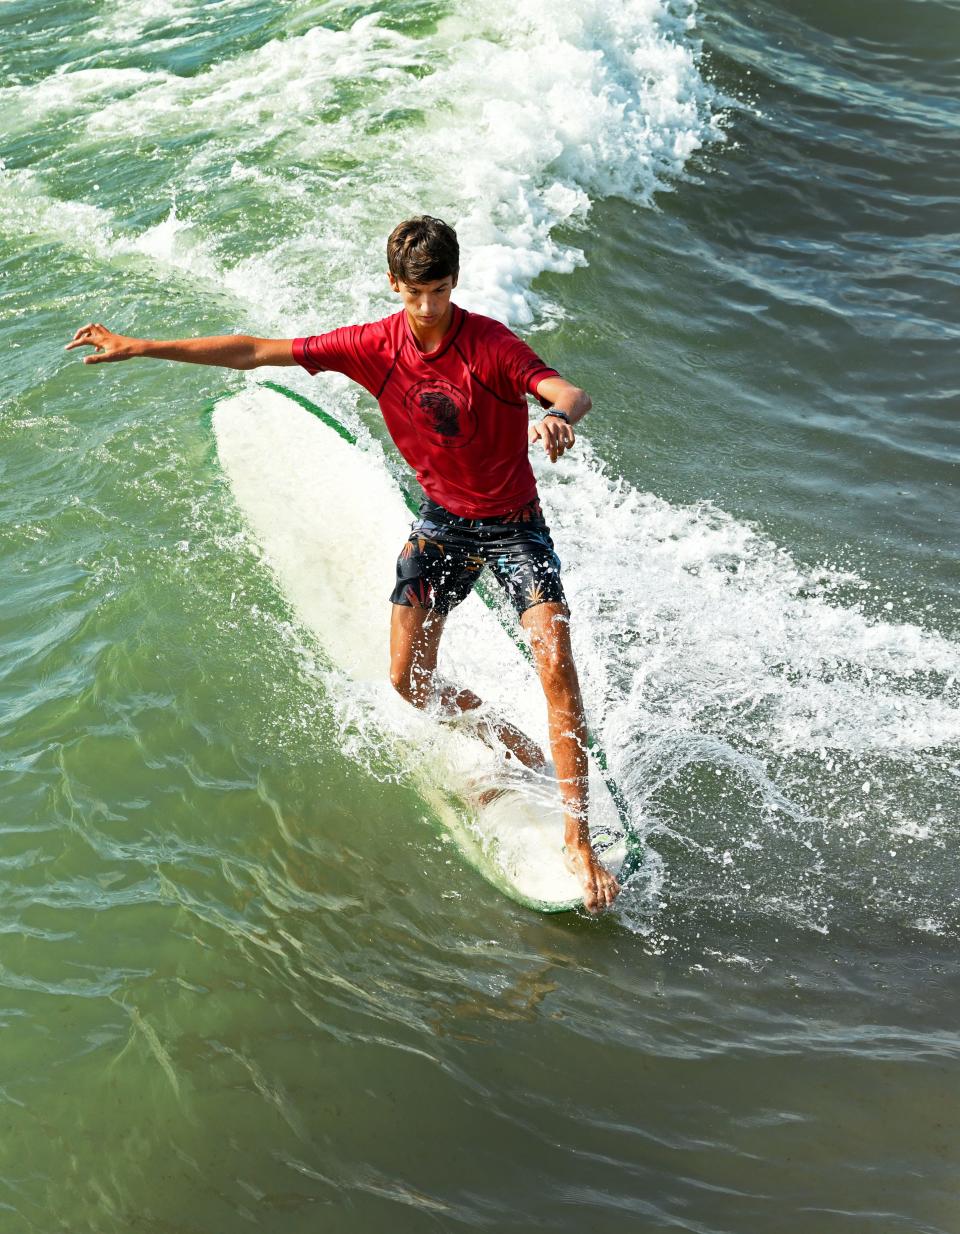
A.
pixel 556 435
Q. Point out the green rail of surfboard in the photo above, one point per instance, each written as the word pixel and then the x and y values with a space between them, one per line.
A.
pixel 594 747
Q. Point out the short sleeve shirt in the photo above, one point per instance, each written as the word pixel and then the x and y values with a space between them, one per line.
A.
pixel 458 414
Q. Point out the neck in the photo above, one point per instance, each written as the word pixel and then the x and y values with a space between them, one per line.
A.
pixel 430 337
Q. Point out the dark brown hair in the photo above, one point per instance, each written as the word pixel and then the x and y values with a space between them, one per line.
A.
pixel 423 250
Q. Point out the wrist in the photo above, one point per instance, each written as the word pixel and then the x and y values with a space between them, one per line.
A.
pixel 558 413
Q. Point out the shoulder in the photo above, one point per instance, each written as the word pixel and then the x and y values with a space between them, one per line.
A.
pixel 373 337
pixel 497 344
pixel 391 327
pixel 485 329
pixel 363 352
pixel 484 340
pixel 383 328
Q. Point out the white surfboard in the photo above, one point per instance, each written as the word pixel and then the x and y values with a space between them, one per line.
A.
pixel 330 520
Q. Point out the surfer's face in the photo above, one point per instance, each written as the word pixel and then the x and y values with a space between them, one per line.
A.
pixel 427 304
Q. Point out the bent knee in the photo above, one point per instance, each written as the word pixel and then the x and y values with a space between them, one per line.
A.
pixel 400 680
pixel 405 682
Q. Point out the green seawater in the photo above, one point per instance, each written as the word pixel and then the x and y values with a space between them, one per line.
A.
pixel 246 980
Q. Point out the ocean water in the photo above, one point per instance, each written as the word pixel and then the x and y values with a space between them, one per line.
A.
pixel 246 980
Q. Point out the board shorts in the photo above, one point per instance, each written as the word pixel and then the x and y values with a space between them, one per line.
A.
pixel 445 554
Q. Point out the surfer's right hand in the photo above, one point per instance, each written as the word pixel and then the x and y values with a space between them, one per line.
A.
pixel 108 346
pixel 600 888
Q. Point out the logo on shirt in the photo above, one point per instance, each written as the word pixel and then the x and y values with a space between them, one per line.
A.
pixel 440 413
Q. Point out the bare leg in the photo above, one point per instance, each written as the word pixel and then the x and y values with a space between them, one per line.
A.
pixel 548 626
pixel 414 643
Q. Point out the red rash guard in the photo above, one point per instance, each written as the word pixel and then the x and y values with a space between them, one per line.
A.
pixel 458 414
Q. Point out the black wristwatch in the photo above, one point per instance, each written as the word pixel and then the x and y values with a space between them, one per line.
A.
pixel 561 415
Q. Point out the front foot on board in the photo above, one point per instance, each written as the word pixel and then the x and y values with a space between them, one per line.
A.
pixel 600 888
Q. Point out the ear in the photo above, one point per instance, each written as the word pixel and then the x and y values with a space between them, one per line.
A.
pixel 455 280
pixel 393 282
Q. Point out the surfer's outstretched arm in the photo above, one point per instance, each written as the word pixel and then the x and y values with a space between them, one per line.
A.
pixel 549 628
pixel 240 351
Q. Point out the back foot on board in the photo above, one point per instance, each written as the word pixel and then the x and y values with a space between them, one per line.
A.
pixel 508 741
pixel 515 743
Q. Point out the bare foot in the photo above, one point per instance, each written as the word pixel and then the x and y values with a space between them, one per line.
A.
pixel 600 888
pixel 504 737
pixel 518 744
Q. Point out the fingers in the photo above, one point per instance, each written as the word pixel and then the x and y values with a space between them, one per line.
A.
pixel 557 436
pixel 90 335
pixel 107 346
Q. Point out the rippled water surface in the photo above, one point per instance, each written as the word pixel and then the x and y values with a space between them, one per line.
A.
pixel 246 980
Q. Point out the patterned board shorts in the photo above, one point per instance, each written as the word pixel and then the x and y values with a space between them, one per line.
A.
pixel 444 555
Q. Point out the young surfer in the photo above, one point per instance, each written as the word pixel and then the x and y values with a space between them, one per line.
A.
pixel 452 387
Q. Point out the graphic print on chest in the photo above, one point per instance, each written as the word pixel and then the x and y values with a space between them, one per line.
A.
pixel 441 413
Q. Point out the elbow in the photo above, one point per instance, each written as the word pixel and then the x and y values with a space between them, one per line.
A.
pixel 248 354
pixel 585 402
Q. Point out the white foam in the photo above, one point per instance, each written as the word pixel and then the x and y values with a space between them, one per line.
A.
pixel 131 20
pixel 509 120
pixel 689 620
pixel 28 210
pixel 70 94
